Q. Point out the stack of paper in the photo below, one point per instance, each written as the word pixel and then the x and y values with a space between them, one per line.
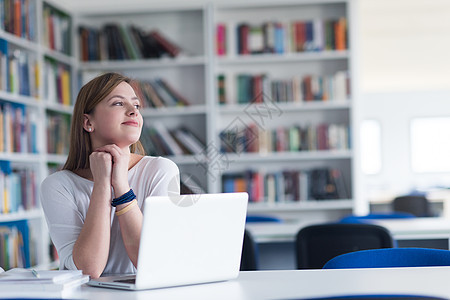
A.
pixel 27 283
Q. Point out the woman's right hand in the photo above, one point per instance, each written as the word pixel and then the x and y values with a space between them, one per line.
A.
pixel 101 167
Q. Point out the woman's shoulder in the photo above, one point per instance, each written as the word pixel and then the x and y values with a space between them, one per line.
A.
pixel 156 161
pixel 57 179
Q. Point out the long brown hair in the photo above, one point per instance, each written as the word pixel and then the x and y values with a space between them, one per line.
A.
pixel 89 96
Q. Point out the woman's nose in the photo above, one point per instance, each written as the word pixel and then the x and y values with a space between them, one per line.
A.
pixel 132 110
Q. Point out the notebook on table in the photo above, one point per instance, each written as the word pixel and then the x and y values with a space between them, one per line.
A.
pixel 187 239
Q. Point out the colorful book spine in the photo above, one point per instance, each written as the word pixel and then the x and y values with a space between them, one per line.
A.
pixel 16 249
pixel 296 36
pixel 18 188
pixel 57 138
pixel 114 41
pixel 18 127
pixel 18 17
pixel 253 88
pixel 322 137
pixel 56 29
pixel 57 83
pixel 287 185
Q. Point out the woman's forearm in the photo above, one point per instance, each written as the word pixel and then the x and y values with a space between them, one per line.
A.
pixel 90 252
pixel 130 225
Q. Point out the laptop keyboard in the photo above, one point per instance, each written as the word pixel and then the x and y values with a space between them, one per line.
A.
pixel 130 280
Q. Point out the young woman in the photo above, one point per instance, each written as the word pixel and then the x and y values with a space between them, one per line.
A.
pixel 93 207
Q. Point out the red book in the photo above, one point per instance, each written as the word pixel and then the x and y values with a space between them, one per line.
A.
pixel 172 49
pixel 307 88
pixel 221 33
pixel 17 18
pixel 322 137
pixel 300 36
pixel 51 37
pixel 244 31
pixel 257 89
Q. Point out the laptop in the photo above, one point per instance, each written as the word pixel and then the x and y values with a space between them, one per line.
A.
pixel 187 239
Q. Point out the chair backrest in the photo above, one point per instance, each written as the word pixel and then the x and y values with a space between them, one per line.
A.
pixel 249 257
pixel 416 205
pixel 391 258
pixel 317 244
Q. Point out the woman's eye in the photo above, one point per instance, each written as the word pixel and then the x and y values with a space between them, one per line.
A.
pixel 118 103
pixel 137 106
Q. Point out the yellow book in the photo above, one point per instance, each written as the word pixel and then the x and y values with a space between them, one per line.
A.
pixel 5 196
pixel 2 134
pixel 65 82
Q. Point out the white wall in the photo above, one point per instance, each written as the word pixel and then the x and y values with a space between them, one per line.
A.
pixel 404 63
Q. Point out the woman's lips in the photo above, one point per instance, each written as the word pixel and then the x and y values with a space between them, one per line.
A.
pixel 131 123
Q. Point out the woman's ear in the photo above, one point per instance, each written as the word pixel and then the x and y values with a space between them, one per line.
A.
pixel 87 125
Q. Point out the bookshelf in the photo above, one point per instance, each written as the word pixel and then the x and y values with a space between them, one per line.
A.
pixel 33 35
pixel 318 74
pixel 55 47
pixel 284 103
pixel 187 73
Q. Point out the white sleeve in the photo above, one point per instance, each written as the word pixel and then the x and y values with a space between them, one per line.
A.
pixel 64 220
pixel 164 176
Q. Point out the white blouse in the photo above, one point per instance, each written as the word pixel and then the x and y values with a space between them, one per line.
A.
pixel 65 199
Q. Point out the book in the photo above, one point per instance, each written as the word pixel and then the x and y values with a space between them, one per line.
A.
pixel 221 39
pixel 167 138
pixel 27 283
pixel 20 275
pixel 168 46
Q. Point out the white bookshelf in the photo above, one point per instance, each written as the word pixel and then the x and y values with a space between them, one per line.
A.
pixel 284 65
pixel 37 51
pixel 194 73
pixel 193 29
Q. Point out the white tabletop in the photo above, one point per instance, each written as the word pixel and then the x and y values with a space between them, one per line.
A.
pixel 295 284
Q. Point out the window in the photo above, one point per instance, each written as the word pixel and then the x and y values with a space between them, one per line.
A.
pixel 370 147
pixel 430 144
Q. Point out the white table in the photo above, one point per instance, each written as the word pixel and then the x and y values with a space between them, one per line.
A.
pixel 401 229
pixel 295 284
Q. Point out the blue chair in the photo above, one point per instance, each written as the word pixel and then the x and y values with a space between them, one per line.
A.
pixel 375 216
pixel 262 219
pixel 390 258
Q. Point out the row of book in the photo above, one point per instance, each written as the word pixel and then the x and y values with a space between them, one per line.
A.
pixel 159 93
pixel 254 88
pixel 56 29
pixel 57 83
pixel 290 37
pixel 118 42
pixel 18 188
pixel 18 17
pixel 15 251
pixel 252 138
pixel 287 185
pixel 158 140
pixel 18 71
pixel 58 126
pixel 18 128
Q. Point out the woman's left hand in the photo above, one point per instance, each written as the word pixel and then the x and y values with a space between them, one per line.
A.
pixel 119 173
